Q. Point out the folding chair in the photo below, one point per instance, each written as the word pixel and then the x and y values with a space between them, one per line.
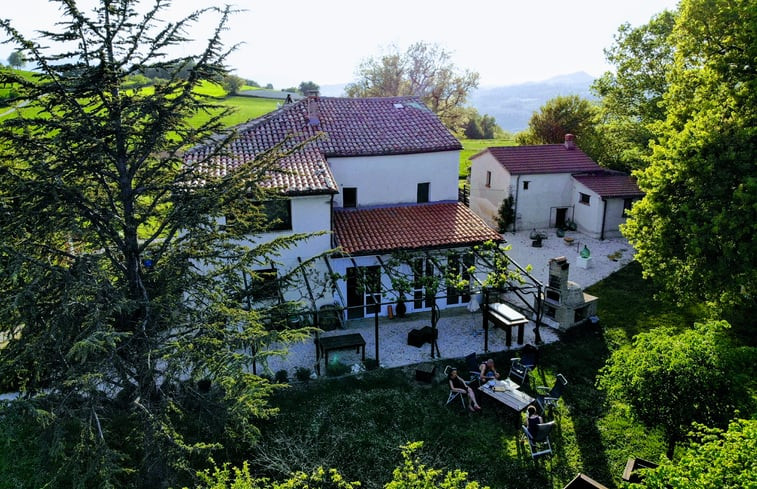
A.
pixel 452 394
pixel 518 371
pixel 547 398
pixel 538 443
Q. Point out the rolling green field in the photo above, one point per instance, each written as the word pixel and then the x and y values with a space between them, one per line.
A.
pixel 474 146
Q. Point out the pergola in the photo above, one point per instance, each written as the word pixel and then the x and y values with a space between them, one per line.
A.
pixel 503 276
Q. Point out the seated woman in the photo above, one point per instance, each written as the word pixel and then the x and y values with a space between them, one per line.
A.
pixel 534 420
pixel 488 372
pixel 456 384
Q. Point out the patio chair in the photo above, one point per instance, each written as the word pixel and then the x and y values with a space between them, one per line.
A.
pixel 529 356
pixel 547 398
pixel 538 442
pixel 452 394
pixel 518 371
pixel 473 367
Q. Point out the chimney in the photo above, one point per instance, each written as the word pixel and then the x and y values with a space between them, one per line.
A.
pixel 570 141
pixel 313 113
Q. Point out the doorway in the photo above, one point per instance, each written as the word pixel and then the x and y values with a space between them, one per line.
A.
pixel 363 291
pixel 560 214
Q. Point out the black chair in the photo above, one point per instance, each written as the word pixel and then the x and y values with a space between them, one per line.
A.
pixel 473 367
pixel 546 397
pixel 538 442
pixel 529 356
pixel 518 371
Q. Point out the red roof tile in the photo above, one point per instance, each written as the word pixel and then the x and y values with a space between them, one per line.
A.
pixel 546 158
pixel 346 127
pixel 611 185
pixel 303 173
pixel 407 227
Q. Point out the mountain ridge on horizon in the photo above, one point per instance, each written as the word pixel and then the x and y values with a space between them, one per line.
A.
pixel 512 105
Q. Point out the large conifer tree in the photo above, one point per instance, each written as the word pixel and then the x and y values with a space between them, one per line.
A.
pixel 119 290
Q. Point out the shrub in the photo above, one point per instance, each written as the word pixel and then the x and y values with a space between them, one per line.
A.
pixel 281 377
pixel 302 374
pixel 370 364
pixel 335 369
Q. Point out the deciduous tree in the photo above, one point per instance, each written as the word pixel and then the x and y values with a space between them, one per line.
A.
pixel 714 459
pixel 121 294
pixel 423 70
pixel 16 59
pixel 672 379
pixel 631 96
pixel 694 229
pixel 563 115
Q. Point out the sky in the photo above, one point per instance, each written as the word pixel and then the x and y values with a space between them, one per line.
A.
pixel 505 41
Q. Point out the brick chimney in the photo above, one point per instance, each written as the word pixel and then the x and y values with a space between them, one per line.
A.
pixel 313 112
pixel 570 141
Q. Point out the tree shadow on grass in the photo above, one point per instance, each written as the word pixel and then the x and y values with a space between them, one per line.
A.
pixel 579 356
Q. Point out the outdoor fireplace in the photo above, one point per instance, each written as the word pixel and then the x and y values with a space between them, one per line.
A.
pixel 565 303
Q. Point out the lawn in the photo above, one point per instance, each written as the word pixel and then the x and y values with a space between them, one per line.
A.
pixel 357 423
pixel 474 146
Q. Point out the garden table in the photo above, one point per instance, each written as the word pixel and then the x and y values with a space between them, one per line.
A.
pixel 507 392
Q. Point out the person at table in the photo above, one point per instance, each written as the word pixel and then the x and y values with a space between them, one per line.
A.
pixel 456 384
pixel 534 420
pixel 488 371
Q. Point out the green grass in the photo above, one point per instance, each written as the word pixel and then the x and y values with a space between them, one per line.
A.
pixel 474 146
pixel 357 423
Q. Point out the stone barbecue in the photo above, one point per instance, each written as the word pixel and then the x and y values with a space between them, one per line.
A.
pixel 565 303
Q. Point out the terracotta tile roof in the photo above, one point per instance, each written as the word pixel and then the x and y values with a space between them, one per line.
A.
pixel 545 158
pixel 345 127
pixel 611 184
pixel 408 227
pixel 303 173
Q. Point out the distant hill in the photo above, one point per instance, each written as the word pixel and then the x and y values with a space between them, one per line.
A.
pixel 513 105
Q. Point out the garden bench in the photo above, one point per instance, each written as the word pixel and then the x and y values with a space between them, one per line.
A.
pixel 324 345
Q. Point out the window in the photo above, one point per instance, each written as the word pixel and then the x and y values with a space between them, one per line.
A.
pixel 349 197
pixel 627 203
pixel 263 285
pixel 525 184
pixel 423 192
pixel 584 198
pixel 278 214
pixel 488 179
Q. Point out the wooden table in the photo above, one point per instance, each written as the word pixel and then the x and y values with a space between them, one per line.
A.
pixel 511 397
pixel 504 317
pixel 324 345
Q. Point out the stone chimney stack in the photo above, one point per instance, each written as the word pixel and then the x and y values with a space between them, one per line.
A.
pixel 570 141
pixel 313 112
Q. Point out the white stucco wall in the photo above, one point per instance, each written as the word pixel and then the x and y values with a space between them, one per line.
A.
pixel 588 217
pixel 535 206
pixel 394 179
pixel 486 200
pixel 614 218
pixel 310 214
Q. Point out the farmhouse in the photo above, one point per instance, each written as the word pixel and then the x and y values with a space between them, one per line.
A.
pixel 551 186
pixel 380 177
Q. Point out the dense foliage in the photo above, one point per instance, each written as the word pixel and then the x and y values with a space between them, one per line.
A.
pixel 412 474
pixel 631 95
pixel 695 227
pixel 672 379
pixel 121 293
pixel 715 459
pixel 423 70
